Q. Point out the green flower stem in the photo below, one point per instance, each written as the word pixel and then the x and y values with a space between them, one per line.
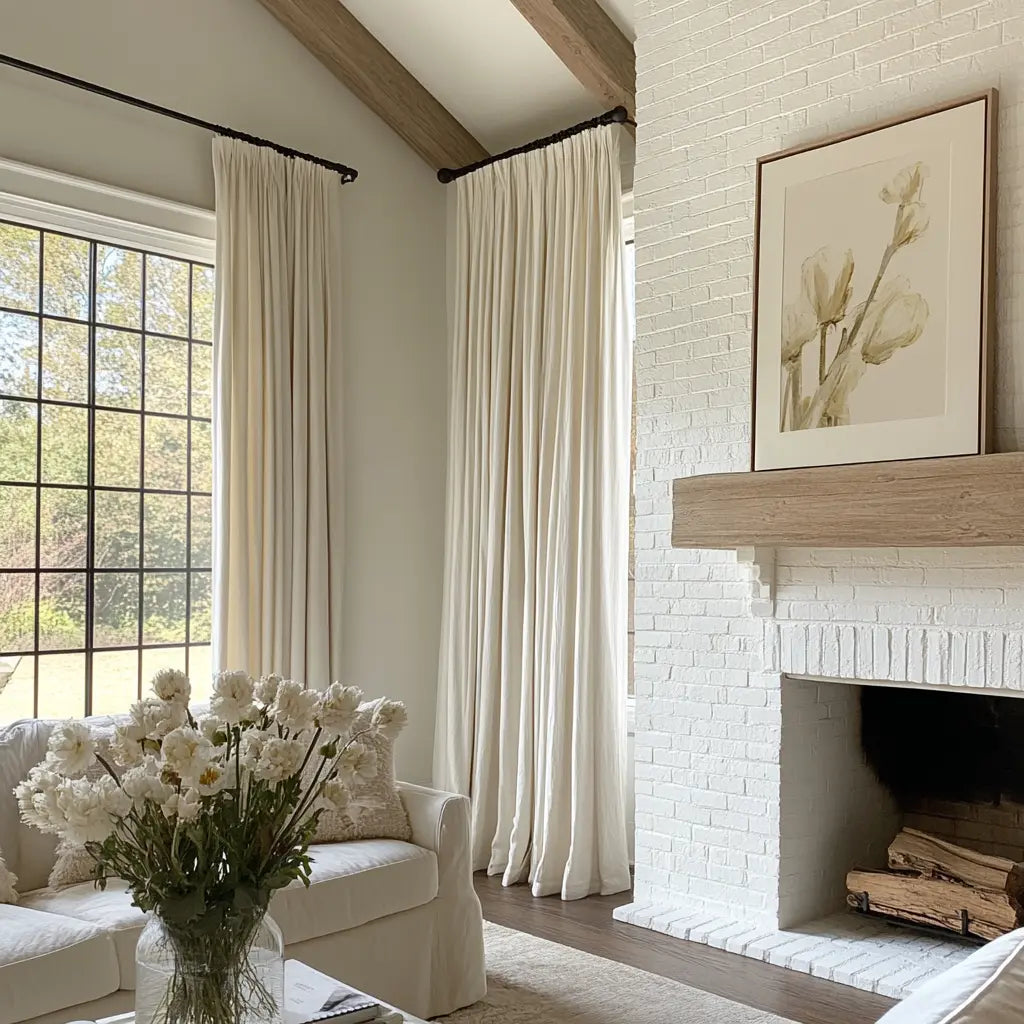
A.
pixel 106 767
pixel 213 980
pixel 312 747
pixel 306 801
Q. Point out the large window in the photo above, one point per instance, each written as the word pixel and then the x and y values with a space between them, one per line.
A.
pixel 105 471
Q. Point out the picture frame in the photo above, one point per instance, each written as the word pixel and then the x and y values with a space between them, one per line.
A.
pixel 873 292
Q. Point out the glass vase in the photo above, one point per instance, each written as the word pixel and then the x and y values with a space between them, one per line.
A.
pixel 225 967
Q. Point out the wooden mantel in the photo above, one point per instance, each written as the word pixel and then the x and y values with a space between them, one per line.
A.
pixel 968 501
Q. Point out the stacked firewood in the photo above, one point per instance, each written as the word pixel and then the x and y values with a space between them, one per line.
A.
pixel 934 882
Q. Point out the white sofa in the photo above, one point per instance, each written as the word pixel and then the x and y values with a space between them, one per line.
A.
pixel 400 920
pixel 985 988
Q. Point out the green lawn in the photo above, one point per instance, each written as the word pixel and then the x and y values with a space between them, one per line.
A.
pixel 62 681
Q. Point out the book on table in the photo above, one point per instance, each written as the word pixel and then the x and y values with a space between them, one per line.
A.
pixel 311 997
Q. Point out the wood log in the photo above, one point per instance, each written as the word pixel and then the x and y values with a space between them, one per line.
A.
pixel 931 857
pixel 934 901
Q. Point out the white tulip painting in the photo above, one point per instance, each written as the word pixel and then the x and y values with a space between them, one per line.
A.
pixel 850 337
pixel 872 271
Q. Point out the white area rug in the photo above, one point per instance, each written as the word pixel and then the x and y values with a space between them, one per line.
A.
pixel 533 981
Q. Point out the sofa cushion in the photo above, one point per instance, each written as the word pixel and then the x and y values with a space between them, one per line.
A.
pixel 49 962
pixel 985 988
pixel 353 883
pixel 110 909
pixel 29 853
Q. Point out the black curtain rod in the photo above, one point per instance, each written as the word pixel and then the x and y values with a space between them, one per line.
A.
pixel 347 173
pixel 617 115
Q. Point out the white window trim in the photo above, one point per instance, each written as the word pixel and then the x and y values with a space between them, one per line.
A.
pixel 61 202
pixel 629 235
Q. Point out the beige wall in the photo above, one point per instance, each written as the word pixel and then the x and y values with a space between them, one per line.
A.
pixel 228 61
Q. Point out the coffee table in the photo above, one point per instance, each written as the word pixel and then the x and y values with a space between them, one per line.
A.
pixel 393 1016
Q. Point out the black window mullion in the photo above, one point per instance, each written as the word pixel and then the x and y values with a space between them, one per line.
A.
pixel 102 570
pixel 100 324
pixel 39 478
pixel 90 514
pixel 188 480
pixel 66 403
pixel 142 474
pixel 101 487
pixel 102 650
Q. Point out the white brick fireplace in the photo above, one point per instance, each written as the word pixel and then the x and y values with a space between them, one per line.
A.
pixel 732 745
pixel 753 794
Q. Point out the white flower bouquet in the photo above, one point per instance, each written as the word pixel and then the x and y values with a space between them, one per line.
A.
pixel 205 818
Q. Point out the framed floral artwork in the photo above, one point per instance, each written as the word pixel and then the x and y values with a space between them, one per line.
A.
pixel 872 297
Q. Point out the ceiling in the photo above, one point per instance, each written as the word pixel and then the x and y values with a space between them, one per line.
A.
pixel 486 64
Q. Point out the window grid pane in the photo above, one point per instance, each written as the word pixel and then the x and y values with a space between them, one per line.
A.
pixel 104 500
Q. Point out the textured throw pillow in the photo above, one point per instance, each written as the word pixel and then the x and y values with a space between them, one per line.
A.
pixel 73 865
pixel 8 883
pixel 375 810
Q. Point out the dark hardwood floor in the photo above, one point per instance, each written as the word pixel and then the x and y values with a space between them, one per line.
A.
pixel 588 925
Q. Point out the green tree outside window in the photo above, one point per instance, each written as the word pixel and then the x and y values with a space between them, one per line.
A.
pixel 105 471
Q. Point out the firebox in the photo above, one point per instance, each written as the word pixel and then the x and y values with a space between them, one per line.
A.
pixel 862 764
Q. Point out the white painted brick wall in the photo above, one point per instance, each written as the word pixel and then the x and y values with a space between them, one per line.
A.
pixel 836 815
pixel 720 83
pixel 998 830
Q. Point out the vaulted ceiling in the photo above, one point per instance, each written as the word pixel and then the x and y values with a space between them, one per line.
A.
pixel 459 79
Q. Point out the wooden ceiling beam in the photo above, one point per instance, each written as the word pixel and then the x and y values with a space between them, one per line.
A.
pixel 368 70
pixel 589 44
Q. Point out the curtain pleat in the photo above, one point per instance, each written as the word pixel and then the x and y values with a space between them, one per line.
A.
pixel 532 682
pixel 278 526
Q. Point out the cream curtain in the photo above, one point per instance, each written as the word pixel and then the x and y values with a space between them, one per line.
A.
pixel 278 530
pixel 532 689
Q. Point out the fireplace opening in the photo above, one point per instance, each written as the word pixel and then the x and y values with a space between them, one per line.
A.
pixel 927 747
pixel 906 801
pixel 955 766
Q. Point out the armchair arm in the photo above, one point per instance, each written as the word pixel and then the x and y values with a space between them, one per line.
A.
pixel 440 822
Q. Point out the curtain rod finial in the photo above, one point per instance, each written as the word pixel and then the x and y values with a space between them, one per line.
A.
pixel 618 115
pixel 445 175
